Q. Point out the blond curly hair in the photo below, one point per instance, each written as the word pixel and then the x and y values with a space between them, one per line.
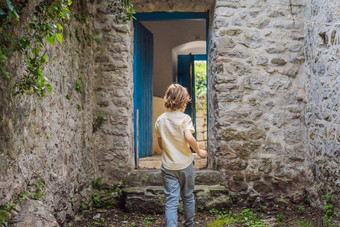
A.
pixel 176 97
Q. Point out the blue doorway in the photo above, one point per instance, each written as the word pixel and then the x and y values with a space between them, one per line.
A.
pixel 143 128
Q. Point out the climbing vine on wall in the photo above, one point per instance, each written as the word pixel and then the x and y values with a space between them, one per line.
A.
pixel 43 29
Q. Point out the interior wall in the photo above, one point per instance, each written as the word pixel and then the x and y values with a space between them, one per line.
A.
pixel 168 35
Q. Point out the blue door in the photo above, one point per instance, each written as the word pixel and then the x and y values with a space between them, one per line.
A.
pixel 143 89
pixel 186 79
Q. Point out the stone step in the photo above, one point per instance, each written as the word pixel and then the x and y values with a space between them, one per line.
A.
pixel 155 162
pixel 151 199
pixel 153 178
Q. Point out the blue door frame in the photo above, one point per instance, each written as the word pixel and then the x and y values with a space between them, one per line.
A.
pixel 164 16
pixel 143 89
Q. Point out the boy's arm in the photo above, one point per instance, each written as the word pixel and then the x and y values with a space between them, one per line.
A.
pixel 160 143
pixel 192 142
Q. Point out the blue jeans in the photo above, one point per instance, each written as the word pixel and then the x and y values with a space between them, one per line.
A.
pixel 176 183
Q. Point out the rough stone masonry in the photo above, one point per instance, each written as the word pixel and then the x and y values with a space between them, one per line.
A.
pixel 322 79
pixel 49 139
pixel 273 103
pixel 256 92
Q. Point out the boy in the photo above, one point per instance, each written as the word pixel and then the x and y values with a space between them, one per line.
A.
pixel 174 131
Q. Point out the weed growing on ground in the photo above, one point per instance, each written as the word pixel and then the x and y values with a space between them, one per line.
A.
pixel 83 206
pixel 327 219
pixel 246 218
pixel 213 211
pixel 6 210
pixel 119 190
pixel 301 209
pixel 148 221
pixel 279 217
pixel 306 224
pixel 96 202
pixel 223 214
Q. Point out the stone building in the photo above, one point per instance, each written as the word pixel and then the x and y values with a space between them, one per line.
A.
pixel 273 104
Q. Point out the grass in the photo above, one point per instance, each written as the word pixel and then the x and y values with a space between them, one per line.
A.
pixel 245 218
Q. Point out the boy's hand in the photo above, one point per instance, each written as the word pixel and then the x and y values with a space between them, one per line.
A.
pixel 202 153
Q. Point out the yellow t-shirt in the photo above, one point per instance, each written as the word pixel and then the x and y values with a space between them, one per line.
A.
pixel 170 126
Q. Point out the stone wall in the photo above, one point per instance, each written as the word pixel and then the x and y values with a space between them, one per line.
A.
pixel 48 139
pixel 201 122
pixel 147 6
pixel 256 92
pixel 113 96
pixel 273 129
pixel 323 91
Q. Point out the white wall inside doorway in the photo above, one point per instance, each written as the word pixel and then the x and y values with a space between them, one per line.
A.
pixel 168 35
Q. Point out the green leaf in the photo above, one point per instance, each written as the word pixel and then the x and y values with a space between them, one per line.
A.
pixel 69 2
pixel 60 27
pixel 50 39
pixel 2 12
pixel 9 4
pixel 16 15
pixel 67 12
pixel 59 37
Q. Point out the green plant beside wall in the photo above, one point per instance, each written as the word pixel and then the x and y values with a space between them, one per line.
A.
pixel 44 28
pixel 327 219
pixel 98 122
pixel 7 210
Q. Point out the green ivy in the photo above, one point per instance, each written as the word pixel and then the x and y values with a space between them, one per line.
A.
pixel 43 29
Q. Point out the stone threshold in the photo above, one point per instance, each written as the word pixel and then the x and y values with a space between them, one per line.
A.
pixel 152 177
pixel 155 162
pixel 143 192
pixel 151 199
